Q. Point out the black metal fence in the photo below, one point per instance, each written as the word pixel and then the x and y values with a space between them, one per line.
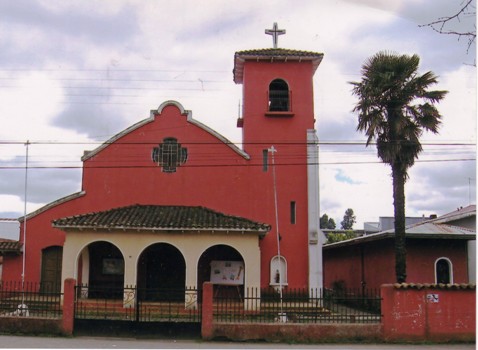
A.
pixel 137 304
pixel 29 299
pixel 299 306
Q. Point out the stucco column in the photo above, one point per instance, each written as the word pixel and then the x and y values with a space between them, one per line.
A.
pixel 69 259
pixel 316 237
pixel 130 250
pixel 252 282
pixel 191 296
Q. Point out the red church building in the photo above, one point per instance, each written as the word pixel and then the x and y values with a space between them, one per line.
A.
pixel 170 202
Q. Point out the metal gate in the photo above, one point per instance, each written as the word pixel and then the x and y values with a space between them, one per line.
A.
pixel 137 304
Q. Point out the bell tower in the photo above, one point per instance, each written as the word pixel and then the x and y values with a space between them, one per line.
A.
pixel 278 114
pixel 277 92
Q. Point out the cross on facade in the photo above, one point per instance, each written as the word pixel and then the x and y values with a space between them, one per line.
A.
pixel 275 34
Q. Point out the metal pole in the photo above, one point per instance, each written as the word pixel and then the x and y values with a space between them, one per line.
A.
pixel 25 223
pixel 273 150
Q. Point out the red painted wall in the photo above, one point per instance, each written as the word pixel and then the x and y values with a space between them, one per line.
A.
pixel 288 135
pixel 214 176
pixel 409 315
pixel 378 263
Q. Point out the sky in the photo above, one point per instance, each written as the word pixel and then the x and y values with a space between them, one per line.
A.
pixel 75 73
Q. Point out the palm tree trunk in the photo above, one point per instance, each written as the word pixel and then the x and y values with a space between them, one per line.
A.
pixel 399 176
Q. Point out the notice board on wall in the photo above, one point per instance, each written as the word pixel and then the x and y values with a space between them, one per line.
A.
pixel 227 272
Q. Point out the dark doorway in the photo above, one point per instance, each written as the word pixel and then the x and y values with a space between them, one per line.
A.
pixel 106 271
pixel 161 273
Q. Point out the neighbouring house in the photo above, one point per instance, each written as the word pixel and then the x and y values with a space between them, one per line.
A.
pixel 170 202
pixel 439 250
pixel 9 236
pixel 386 223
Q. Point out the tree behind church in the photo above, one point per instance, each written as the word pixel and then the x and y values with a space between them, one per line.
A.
pixel 394 108
pixel 326 222
pixel 349 220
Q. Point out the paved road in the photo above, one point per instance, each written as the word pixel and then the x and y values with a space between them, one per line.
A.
pixel 82 342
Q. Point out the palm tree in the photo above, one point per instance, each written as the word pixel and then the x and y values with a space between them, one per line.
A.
pixel 394 109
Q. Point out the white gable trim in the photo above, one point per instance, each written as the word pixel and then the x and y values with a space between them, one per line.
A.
pixel 153 114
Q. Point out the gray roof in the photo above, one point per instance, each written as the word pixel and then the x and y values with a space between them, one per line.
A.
pixel 431 229
pixel 460 213
pixel 160 218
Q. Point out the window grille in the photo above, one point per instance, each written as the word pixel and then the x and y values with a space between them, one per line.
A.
pixel 169 155
pixel 278 96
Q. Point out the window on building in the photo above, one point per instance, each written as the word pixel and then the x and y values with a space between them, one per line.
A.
pixel 443 271
pixel 278 96
pixel 265 159
pixel 169 155
pixel 293 211
pixel 278 271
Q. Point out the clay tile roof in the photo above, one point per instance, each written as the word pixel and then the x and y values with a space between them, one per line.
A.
pixel 434 286
pixel 161 218
pixel 10 246
pixel 272 54
pixel 279 53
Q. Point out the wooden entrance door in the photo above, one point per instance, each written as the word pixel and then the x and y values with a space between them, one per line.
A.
pixel 51 269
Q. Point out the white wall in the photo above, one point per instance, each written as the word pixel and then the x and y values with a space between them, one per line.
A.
pixel 471 261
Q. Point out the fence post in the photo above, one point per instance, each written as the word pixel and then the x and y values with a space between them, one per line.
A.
pixel 207 311
pixel 68 306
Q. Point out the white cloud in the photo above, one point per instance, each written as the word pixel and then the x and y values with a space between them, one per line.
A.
pixel 370 195
pixel 10 203
pixel 33 100
pixel 458 108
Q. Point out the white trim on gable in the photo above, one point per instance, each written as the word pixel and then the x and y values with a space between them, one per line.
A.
pixel 154 114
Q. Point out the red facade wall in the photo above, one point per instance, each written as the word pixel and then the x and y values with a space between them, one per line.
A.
pixel 374 262
pixel 214 176
pixel 428 314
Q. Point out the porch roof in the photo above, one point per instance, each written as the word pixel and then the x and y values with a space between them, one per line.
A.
pixel 160 218
pixel 10 246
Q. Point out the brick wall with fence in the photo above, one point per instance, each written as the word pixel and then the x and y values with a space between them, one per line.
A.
pixel 401 312
pixel 31 308
pixel 302 315
pixel 406 312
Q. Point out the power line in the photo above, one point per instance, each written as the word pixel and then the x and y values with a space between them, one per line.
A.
pixel 223 165
pixel 267 142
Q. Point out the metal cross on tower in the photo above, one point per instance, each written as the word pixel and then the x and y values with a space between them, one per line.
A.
pixel 275 32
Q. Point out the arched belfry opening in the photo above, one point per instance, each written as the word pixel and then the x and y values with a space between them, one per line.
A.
pixel 279 99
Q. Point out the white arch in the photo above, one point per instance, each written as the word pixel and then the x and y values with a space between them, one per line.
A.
pixel 278 269
pixel 215 245
pixel 156 243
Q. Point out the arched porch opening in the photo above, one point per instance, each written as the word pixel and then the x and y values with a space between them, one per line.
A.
pixel 101 267
pixel 219 252
pixel 161 273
